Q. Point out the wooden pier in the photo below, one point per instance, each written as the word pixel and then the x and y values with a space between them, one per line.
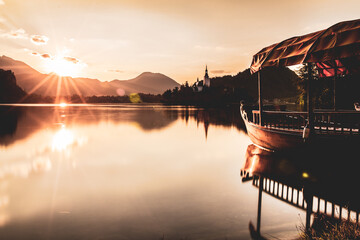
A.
pixel 298 196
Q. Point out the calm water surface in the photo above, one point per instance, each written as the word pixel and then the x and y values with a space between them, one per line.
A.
pixel 129 172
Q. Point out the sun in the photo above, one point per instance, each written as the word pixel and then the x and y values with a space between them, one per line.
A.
pixel 63 104
pixel 63 67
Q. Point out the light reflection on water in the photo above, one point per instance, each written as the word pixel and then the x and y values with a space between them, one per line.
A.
pixel 125 172
pixel 62 139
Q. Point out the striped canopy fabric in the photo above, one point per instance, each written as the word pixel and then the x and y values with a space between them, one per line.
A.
pixel 335 51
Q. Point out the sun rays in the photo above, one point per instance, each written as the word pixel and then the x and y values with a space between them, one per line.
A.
pixel 64 66
pixel 56 86
pixel 60 90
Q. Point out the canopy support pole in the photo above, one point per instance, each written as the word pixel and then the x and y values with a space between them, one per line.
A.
pixel 309 99
pixel 260 100
pixel 335 77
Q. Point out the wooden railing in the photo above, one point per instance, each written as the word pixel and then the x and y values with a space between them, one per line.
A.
pixel 324 121
pixel 338 122
pixel 281 119
pixel 294 195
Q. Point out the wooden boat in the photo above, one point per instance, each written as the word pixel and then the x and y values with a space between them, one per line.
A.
pixel 335 52
pixel 285 130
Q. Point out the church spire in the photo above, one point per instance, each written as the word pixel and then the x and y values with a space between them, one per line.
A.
pixel 206 73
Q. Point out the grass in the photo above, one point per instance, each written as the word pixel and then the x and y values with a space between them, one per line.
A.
pixel 325 228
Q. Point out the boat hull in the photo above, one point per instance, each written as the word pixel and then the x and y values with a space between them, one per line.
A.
pixel 274 139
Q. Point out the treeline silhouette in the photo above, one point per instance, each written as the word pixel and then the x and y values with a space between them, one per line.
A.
pixel 9 90
pixel 278 83
pixel 209 96
pixel 346 89
pixel 133 98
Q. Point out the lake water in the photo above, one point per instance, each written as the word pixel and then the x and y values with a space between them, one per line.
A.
pixel 129 172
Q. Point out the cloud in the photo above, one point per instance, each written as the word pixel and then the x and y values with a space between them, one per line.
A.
pixel 115 70
pixel 219 71
pixel 21 34
pixel 18 34
pixel 49 56
pixel 39 39
pixel 45 55
pixel 72 59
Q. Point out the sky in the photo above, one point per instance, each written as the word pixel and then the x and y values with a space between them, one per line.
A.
pixel 120 39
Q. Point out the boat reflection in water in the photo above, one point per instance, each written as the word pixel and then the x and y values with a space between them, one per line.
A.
pixel 320 183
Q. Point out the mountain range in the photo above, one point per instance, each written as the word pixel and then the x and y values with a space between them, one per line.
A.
pixel 32 81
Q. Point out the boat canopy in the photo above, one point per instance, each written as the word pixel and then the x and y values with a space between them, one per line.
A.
pixel 335 51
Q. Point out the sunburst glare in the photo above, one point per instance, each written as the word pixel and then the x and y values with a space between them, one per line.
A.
pixel 64 66
pixel 63 104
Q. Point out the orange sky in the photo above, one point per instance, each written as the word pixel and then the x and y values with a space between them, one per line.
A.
pixel 119 39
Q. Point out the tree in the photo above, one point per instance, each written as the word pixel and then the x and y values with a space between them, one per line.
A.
pixel 10 92
pixel 302 82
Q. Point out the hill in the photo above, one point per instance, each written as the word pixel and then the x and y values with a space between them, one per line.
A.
pixel 154 83
pixel 35 82
pixel 9 90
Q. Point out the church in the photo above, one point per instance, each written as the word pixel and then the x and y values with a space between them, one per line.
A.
pixel 198 86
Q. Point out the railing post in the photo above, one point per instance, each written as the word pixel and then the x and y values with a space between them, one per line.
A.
pixel 309 207
pixel 309 99
pixel 261 184
pixel 260 100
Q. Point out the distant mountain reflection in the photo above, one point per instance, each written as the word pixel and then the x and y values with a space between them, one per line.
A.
pixel 19 122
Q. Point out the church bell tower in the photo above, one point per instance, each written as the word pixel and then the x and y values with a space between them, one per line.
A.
pixel 206 78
